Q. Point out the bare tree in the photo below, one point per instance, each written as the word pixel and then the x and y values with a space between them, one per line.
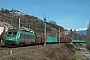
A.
pixel 88 37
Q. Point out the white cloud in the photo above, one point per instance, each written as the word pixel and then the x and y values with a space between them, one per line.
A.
pixel 67 28
pixel 81 29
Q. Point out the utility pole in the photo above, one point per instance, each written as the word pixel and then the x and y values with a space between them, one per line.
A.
pixel 56 34
pixel 59 35
pixel 66 38
pixel 12 13
pixel 45 30
pixel 72 36
pixel 19 23
pixel 78 37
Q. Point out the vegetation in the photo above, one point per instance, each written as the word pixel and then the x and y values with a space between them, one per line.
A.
pixel 77 55
pixel 2 37
pixel 53 22
pixel 5 11
pixel 88 37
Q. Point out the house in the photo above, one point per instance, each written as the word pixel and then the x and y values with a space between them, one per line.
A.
pixel 16 12
pixel 4 26
pixel 1 29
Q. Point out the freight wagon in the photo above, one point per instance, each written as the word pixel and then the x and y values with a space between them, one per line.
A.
pixel 65 40
pixel 78 41
pixel 50 39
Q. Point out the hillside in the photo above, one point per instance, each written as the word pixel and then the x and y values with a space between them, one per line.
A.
pixel 38 25
pixel 29 21
pixel 39 52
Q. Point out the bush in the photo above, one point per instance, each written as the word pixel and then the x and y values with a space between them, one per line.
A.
pixel 3 35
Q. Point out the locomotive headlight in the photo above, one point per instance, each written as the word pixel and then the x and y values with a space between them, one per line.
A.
pixel 12 38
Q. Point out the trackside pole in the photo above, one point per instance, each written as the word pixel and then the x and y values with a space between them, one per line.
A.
pixel 19 23
pixel 59 35
pixel 45 35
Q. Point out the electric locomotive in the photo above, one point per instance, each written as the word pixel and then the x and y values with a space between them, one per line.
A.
pixel 15 37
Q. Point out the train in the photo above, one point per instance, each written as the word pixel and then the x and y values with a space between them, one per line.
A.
pixel 16 37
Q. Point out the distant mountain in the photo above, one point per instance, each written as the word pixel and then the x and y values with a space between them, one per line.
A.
pixel 81 32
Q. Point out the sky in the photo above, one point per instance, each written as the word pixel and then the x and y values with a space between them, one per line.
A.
pixel 70 14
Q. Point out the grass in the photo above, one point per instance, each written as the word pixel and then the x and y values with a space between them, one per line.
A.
pixel 77 55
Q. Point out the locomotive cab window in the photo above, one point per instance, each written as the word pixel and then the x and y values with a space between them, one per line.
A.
pixel 14 33
pixel 9 33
